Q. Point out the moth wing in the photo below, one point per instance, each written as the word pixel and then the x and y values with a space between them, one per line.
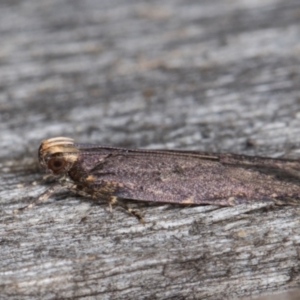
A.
pixel 162 176
pixel 195 178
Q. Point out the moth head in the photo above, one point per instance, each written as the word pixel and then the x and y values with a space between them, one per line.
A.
pixel 57 155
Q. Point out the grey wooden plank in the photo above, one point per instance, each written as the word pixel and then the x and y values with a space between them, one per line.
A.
pixel 206 75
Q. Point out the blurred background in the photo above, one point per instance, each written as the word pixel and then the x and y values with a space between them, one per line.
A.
pixel 217 75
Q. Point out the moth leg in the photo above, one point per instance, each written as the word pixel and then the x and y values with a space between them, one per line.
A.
pixel 131 211
pixel 114 200
pixel 111 201
pixel 43 197
pixel 136 214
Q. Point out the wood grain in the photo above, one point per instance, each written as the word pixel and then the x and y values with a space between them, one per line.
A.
pixel 215 75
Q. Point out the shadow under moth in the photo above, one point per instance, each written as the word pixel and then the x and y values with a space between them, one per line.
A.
pixel 170 176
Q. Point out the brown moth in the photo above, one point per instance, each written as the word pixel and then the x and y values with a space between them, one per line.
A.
pixel 185 177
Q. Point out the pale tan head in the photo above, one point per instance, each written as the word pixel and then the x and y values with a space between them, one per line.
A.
pixel 57 154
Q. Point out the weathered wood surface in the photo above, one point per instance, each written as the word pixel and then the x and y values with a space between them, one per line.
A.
pixel 207 75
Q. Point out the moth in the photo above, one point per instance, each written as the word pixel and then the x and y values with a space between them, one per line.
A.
pixel 174 176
